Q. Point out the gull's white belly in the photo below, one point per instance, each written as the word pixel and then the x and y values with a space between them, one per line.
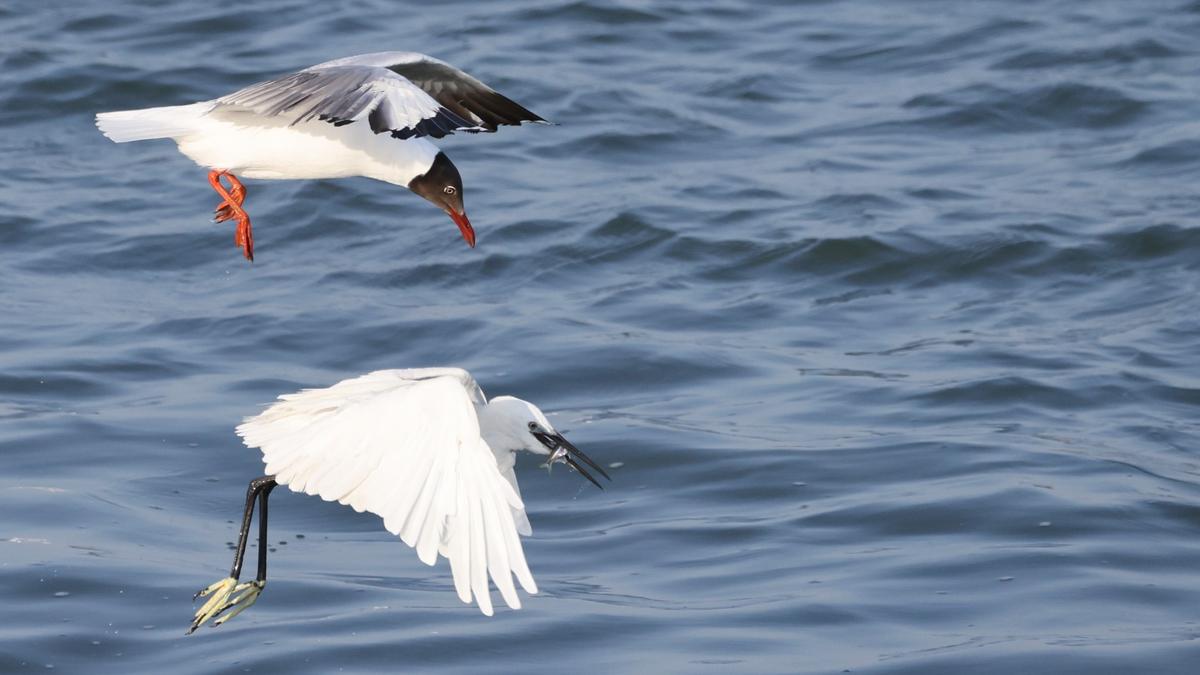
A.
pixel 304 151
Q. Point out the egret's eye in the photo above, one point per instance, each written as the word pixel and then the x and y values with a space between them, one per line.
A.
pixel 449 189
pixel 533 426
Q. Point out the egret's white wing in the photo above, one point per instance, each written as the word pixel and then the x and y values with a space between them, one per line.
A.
pixel 405 444
pixel 345 94
pixel 464 95
pixel 507 463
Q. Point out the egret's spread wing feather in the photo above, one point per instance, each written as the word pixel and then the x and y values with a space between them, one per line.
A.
pixel 462 94
pixel 508 469
pixel 345 94
pixel 405 444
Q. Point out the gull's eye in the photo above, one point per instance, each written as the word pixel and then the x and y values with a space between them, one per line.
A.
pixel 449 189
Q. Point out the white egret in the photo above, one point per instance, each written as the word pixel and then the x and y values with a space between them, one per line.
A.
pixel 366 115
pixel 421 448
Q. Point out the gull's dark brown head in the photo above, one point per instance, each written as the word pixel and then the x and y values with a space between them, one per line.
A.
pixel 442 185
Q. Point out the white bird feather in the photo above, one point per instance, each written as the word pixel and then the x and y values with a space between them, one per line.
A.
pixel 335 119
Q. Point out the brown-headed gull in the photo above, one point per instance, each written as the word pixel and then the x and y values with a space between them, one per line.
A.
pixel 370 115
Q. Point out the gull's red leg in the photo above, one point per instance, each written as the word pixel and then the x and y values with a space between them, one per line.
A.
pixel 223 211
pixel 244 237
pixel 214 179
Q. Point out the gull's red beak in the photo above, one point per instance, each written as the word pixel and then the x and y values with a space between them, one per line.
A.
pixel 464 226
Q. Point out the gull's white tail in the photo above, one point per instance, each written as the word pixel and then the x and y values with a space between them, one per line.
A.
pixel 174 121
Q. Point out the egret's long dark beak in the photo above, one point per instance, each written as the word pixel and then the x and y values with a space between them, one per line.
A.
pixel 563 450
pixel 464 226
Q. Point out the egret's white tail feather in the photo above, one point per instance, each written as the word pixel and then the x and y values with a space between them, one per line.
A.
pixel 123 126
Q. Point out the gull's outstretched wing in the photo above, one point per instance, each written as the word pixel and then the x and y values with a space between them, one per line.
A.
pixel 405 444
pixel 462 94
pixel 347 94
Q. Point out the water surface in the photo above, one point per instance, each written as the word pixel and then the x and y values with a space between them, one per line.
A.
pixel 888 311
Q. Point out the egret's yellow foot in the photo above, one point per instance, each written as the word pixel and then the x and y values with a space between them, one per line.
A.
pixel 244 595
pixel 219 591
pixel 227 594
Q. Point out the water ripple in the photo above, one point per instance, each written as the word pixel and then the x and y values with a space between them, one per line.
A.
pixel 884 317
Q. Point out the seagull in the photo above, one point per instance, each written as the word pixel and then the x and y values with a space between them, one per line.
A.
pixel 369 115
pixel 423 449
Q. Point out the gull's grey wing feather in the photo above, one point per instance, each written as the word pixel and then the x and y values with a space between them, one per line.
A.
pixel 345 94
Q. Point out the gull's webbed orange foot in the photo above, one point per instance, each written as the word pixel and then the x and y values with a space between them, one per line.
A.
pixel 244 236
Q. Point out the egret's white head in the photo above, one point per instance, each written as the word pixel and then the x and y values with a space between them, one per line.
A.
pixel 512 424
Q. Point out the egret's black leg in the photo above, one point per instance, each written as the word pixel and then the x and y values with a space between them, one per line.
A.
pixel 262 528
pixel 228 594
pixel 256 487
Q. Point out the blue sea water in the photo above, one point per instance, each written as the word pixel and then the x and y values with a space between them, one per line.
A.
pixel 885 314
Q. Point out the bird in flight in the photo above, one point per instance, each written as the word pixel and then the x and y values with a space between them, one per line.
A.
pixel 421 448
pixel 370 115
